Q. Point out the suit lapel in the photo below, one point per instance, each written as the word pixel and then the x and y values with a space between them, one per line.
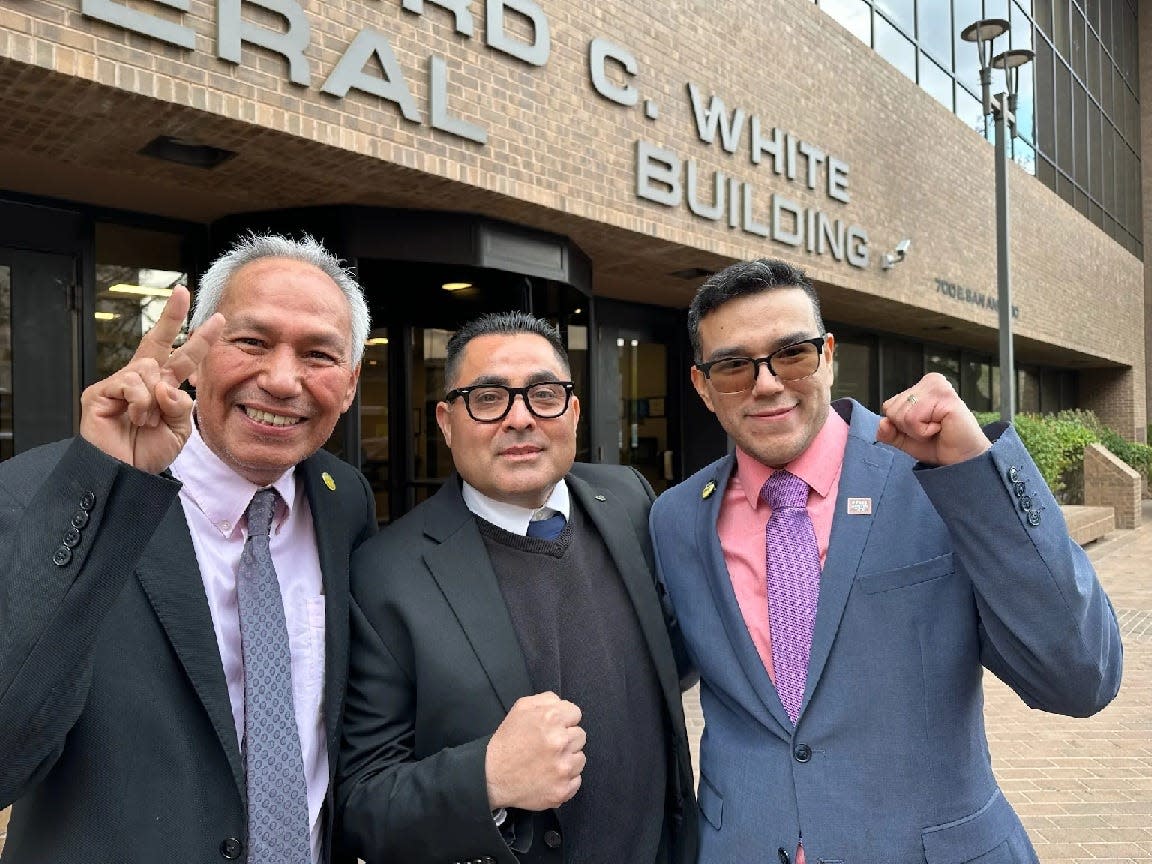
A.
pixel 463 571
pixel 864 474
pixel 170 577
pixel 723 595
pixel 615 529
pixel 332 546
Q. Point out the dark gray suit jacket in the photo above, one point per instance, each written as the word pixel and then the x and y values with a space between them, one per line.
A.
pixel 436 665
pixel 116 735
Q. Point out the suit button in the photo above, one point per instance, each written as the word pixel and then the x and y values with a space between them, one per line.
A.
pixel 63 557
pixel 71 538
pixel 552 839
pixel 231 848
pixel 87 501
pixel 802 752
pixel 1013 474
pixel 1026 503
pixel 1033 518
pixel 782 854
pixel 79 518
pixel 1019 488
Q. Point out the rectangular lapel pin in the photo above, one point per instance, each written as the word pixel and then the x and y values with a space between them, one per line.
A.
pixel 859 506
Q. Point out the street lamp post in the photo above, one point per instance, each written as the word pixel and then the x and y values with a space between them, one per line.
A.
pixel 1002 107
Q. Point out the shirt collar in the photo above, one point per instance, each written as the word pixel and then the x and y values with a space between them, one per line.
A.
pixel 512 517
pixel 219 492
pixel 814 466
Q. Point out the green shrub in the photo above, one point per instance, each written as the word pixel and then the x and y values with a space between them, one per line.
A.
pixel 1056 444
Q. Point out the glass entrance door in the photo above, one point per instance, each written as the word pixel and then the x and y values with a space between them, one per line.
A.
pixel 39 377
pixel 416 308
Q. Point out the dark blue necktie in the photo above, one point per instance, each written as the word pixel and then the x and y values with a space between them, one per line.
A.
pixel 547 529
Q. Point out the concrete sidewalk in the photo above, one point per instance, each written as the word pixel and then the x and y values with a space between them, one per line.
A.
pixel 1083 787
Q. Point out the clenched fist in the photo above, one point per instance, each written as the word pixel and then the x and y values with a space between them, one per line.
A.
pixel 535 757
pixel 930 422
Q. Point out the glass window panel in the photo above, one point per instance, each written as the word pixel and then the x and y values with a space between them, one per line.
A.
pixel 643 371
pixel 1080 133
pixel 1108 167
pixel 1065 189
pixel 1024 155
pixel 1042 15
pixel 1060 26
pixel 1045 113
pixel 996 9
pixel 1096 215
pixel 1069 387
pixel 1020 35
pixel 374 419
pixel 965 12
pixel 1076 35
pixel 936 81
pixel 1105 29
pixel 6 443
pixel 946 361
pixel 903 365
pixel 1094 151
pixel 1064 118
pixel 1046 172
pixel 853 362
pixel 1080 202
pixel 1092 7
pixel 1092 72
pixel 936 32
pixel 1027 390
pixel 895 48
pixel 855 15
pixel 1026 103
pixel 902 13
pixel 969 109
pixel 1106 103
pixel 976 384
pixel 136 271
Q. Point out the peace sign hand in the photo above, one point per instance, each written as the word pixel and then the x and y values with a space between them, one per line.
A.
pixel 138 414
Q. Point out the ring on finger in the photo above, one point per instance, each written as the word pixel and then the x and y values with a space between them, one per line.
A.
pixel 911 400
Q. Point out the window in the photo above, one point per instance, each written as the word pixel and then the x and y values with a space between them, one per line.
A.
pixel 946 361
pixel 136 270
pixel 902 13
pixel 976 384
pixel 855 15
pixel 902 365
pixel 935 35
pixel 853 363
pixel 936 81
pixel 895 48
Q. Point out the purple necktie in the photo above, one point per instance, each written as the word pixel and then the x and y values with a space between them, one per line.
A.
pixel 793 568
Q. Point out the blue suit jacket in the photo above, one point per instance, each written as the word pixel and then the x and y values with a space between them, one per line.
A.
pixel 888 761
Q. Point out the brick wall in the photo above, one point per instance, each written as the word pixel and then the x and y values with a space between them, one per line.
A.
pixel 1108 482
pixel 81 96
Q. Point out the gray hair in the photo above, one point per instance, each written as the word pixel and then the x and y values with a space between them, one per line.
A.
pixel 255 247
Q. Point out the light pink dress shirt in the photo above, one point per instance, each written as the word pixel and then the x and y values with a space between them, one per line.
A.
pixel 214 498
pixel 743 517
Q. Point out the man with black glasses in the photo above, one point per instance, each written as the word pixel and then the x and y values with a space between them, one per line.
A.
pixel 513 694
pixel 841 579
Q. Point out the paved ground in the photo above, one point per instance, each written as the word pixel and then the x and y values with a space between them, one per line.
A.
pixel 1082 787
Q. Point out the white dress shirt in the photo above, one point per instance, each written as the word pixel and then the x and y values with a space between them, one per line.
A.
pixel 512 517
pixel 215 498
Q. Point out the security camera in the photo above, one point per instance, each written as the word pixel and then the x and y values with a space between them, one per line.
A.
pixel 902 249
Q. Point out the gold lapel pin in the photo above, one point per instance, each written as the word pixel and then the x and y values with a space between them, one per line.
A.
pixel 599 497
pixel 709 488
pixel 328 481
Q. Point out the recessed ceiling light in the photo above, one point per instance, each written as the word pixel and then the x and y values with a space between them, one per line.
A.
pixel 456 286
pixel 184 151
pixel 377 340
pixel 142 290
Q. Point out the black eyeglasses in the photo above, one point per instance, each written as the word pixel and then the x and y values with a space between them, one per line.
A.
pixel 490 403
pixel 790 363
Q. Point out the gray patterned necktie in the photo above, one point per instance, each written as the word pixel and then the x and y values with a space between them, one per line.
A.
pixel 278 830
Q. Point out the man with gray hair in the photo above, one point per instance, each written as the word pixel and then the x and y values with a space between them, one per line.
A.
pixel 174 583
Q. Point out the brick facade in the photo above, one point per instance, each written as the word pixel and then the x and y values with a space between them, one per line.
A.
pixel 80 96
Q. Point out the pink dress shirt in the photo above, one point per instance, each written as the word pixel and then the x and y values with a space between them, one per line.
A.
pixel 743 517
pixel 214 498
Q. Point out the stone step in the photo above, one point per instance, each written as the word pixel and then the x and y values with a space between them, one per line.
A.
pixel 1086 524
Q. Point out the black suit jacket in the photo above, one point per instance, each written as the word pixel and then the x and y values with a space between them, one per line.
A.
pixel 435 666
pixel 117 741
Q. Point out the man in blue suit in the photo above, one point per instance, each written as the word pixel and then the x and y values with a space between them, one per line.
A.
pixel 841 580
